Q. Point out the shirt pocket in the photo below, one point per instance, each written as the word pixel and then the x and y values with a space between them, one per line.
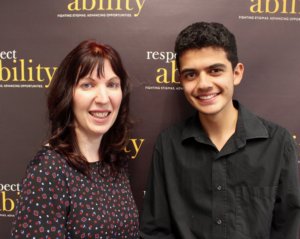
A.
pixel 254 207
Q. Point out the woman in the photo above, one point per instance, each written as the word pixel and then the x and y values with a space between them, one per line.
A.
pixel 77 185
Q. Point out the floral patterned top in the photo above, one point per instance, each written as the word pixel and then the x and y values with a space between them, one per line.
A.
pixel 57 201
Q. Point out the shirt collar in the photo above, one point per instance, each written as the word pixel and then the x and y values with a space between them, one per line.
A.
pixel 249 126
pixel 193 129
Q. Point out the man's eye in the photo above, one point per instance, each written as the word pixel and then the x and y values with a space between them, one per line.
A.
pixel 189 75
pixel 216 71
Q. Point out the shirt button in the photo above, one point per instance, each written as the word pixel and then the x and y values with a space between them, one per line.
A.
pixel 219 221
pixel 219 187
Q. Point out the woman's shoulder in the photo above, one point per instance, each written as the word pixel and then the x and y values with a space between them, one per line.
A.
pixel 48 158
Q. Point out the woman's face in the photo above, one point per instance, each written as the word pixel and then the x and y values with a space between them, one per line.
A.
pixel 96 102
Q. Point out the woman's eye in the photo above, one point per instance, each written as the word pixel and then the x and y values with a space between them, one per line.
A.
pixel 86 85
pixel 113 84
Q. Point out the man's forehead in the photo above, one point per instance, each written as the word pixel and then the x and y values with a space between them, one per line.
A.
pixel 203 58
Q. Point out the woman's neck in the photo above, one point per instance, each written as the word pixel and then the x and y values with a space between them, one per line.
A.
pixel 89 147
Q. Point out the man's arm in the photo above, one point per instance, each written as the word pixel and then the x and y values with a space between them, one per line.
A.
pixel 155 218
pixel 286 215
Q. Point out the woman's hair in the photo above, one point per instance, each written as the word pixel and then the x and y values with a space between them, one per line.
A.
pixel 81 61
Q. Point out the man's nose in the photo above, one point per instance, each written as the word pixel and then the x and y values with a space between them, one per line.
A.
pixel 203 81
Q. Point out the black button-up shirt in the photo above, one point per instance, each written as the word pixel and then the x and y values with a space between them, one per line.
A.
pixel 248 190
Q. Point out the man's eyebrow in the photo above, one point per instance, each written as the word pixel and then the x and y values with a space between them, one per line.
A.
pixel 217 65
pixel 187 70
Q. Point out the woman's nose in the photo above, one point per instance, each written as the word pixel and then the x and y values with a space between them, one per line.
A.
pixel 101 95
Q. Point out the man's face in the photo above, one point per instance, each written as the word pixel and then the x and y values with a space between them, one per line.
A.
pixel 208 79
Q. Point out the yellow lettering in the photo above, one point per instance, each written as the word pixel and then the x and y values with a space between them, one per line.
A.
pixel 6 203
pixel 276 6
pixel 118 5
pixel 7 71
pixel 25 72
pixel 22 70
pixel 140 6
pixel 293 9
pixel 49 75
pixel 134 146
pixel 174 70
pixel 84 5
pixel 163 78
pixel 127 5
pixel 30 75
pixel 101 7
pixel 14 69
pixel 38 73
pixel 73 6
pixel 256 8
pixel 109 5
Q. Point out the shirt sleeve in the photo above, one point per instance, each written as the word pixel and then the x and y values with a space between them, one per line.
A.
pixel 286 215
pixel 155 217
pixel 43 204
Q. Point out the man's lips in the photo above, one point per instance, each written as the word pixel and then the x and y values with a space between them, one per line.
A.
pixel 207 96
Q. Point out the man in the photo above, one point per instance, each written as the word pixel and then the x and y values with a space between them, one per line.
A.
pixel 223 173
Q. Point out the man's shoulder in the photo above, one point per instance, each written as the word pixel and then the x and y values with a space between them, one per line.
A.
pixel 256 124
pixel 274 129
pixel 175 134
pixel 176 129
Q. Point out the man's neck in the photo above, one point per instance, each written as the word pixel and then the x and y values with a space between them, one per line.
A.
pixel 220 127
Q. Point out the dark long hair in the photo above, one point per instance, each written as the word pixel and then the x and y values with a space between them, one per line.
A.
pixel 77 64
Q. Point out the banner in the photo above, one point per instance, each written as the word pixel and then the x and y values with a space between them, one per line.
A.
pixel 37 35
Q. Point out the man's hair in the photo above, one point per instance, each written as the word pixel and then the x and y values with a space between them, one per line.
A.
pixel 81 61
pixel 203 34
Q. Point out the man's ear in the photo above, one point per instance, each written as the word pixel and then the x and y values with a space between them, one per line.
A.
pixel 238 72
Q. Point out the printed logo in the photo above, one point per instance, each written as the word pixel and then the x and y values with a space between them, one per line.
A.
pixel 134 147
pixel 23 73
pixel 8 195
pixel 103 8
pixel 274 6
pixel 165 75
pixel 273 10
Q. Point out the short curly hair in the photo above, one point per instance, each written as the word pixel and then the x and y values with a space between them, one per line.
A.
pixel 204 34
